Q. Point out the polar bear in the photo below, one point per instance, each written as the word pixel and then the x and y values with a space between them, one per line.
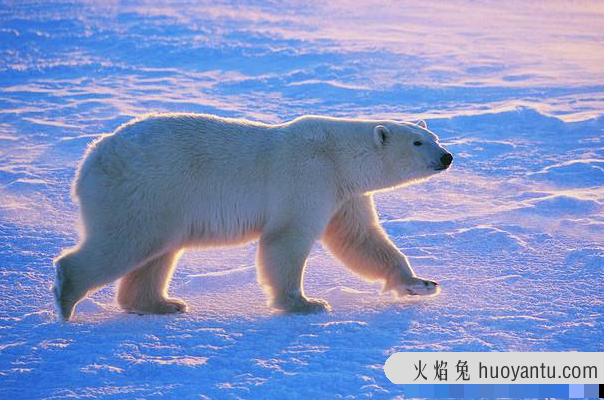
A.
pixel 166 182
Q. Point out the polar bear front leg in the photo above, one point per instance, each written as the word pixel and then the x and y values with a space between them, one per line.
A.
pixel 355 236
pixel 281 259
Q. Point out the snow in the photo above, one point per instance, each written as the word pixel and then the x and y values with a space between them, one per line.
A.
pixel 514 232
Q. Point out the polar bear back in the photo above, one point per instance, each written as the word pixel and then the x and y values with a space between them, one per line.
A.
pixel 202 178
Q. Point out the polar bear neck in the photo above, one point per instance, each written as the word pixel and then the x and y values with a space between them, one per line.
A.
pixel 357 162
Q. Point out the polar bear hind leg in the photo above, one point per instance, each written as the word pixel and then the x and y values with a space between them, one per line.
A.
pixel 144 290
pixel 95 263
pixel 67 290
pixel 79 272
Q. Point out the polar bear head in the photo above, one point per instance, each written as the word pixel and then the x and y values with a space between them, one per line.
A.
pixel 409 152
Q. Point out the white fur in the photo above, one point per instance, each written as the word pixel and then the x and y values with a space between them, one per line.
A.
pixel 163 183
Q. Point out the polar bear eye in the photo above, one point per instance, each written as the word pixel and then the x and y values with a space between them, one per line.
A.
pixel 417 143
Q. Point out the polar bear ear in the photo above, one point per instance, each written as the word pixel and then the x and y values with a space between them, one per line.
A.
pixel 421 122
pixel 380 135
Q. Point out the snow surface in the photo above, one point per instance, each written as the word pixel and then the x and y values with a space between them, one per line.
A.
pixel 514 232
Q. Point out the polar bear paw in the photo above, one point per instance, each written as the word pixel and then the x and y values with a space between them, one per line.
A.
pixel 416 286
pixel 302 305
pixel 165 306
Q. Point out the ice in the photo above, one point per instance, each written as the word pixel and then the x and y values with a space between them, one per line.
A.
pixel 514 233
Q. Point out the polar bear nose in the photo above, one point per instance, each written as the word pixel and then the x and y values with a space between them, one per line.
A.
pixel 446 159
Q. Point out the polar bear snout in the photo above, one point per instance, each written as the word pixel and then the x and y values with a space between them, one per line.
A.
pixel 446 160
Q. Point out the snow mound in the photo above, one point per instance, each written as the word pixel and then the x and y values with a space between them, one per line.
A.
pixel 563 204
pixel 574 173
pixel 217 280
